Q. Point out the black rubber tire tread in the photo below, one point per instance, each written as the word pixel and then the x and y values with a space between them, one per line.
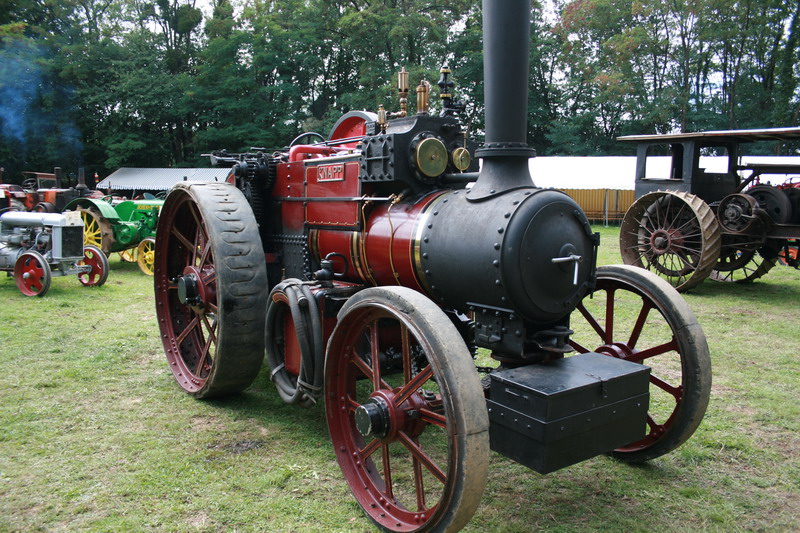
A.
pixel 707 220
pixel 695 357
pixel 107 239
pixel 462 395
pixel 241 283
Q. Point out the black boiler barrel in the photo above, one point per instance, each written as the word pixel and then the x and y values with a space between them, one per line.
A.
pixel 498 253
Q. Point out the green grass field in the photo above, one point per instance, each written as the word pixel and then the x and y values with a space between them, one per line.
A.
pixel 95 435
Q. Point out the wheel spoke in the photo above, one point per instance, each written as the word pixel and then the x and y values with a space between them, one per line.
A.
pixel 675 392
pixel 387 470
pixel 375 356
pixel 369 449
pixel 655 350
pixel 361 365
pixel 422 457
pixel 182 239
pixel 591 320
pixel 412 386
pixel 609 334
pixel 640 321
pixel 194 323
pixel 433 418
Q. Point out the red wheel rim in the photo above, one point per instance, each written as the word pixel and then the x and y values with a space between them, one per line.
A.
pixel 95 275
pixel 186 295
pixel 31 276
pixel 408 409
pixel 629 342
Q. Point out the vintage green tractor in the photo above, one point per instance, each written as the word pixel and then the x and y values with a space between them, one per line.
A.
pixel 127 227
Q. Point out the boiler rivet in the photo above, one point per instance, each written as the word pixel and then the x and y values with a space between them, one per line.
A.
pixel 496 262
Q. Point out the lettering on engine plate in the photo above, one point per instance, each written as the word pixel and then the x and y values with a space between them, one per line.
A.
pixel 330 173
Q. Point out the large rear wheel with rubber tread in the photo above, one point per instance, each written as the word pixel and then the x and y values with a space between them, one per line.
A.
pixel 406 413
pixel 636 316
pixel 673 234
pixel 210 288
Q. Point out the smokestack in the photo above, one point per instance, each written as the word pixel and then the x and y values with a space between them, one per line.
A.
pixel 81 180
pixel 57 173
pixel 505 153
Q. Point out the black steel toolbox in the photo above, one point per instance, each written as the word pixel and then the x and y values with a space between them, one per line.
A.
pixel 548 416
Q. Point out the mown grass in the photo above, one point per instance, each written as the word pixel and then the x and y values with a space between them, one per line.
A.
pixel 96 436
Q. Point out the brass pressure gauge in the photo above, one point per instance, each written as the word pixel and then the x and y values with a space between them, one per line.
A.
pixel 461 158
pixel 430 157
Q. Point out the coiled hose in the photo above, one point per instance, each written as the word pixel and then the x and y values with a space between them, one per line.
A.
pixel 296 296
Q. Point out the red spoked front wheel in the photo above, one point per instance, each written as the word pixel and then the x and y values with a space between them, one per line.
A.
pixel 211 287
pixel 406 412
pixel 637 316
pixel 32 274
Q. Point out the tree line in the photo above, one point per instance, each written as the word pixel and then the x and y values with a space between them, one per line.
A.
pixel 141 83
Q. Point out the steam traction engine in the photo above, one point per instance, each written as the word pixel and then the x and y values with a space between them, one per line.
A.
pixel 371 266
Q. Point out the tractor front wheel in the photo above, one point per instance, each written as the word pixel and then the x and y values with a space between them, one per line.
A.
pixel 210 288
pixel 32 274
pixel 636 316
pixel 146 255
pixel 406 413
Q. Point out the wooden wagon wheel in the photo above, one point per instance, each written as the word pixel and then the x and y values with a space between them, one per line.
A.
pixel 406 412
pixel 636 316
pixel 210 285
pixel 673 234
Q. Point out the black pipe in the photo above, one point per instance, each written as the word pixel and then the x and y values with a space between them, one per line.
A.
pixel 506 44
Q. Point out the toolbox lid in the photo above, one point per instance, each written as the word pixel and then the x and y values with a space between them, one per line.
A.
pixel 565 386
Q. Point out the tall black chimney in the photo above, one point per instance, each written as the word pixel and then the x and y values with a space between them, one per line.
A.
pixel 506 44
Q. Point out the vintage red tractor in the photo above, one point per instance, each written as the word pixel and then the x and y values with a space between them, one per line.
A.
pixel 35 247
pixel 382 273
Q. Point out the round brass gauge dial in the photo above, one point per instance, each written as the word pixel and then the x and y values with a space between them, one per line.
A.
pixel 431 157
pixel 461 158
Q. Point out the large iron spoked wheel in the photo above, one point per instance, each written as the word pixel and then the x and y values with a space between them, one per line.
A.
pixel 210 287
pixel 96 259
pixel 97 230
pixel 637 316
pixel 32 274
pixel 673 234
pixel 740 263
pixel 146 255
pixel 406 413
